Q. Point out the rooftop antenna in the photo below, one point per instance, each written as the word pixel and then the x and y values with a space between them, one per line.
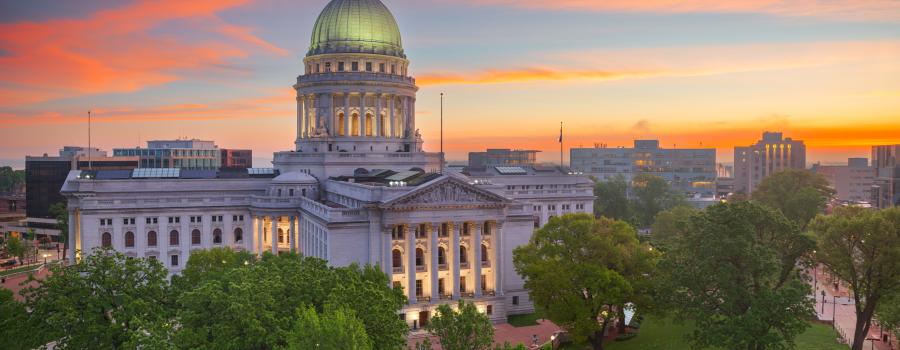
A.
pixel 441 171
pixel 90 164
pixel 560 146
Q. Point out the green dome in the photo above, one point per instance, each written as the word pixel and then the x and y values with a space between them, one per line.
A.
pixel 356 26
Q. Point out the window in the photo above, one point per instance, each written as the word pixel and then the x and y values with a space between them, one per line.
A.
pixel 290 192
pixel 463 255
pixel 128 221
pixel 340 66
pixel 486 229
pixel 462 283
pixel 237 218
pixel 151 239
pixel 173 237
pixel 105 222
pixel 152 221
pixel 238 235
pixel 106 240
pixel 152 257
pixel 328 67
pixel 354 66
pixel 318 68
pixel 397 232
pixel 368 66
pixel 445 230
pixel 490 309
pixel 174 219
pixel 280 236
pixel 419 288
pixel 393 69
pixel 422 231
pixel 196 219
pixel 279 193
pixel 381 67
pixel 217 236
pixel 465 229
pixel 442 256
pixel 483 283
pixel 129 239
pixel 217 218
pixel 397 258
pixel 484 253
pixel 174 260
pixel 515 300
pixel 440 286
pixel 195 237
pixel 420 257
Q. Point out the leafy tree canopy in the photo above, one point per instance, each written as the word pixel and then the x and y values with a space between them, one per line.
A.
pixel 612 198
pixel 462 328
pixel 798 193
pixel 734 272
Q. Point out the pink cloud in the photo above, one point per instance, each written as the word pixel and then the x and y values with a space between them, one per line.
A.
pixel 114 50
pixel 836 9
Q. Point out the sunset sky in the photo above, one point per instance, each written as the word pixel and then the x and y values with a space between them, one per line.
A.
pixel 694 72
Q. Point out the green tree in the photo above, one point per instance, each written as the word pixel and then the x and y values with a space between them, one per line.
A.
pixel 366 290
pixel 862 248
pixel 651 194
pixel 888 314
pixel 334 330
pixel 611 198
pixel 13 323
pixel 735 273
pixel 565 269
pixel 10 178
pixel 671 224
pixel 464 328
pixel 61 213
pixel 102 302
pixel 15 248
pixel 798 193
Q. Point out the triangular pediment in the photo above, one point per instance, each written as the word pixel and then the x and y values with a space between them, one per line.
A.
pixel 447 191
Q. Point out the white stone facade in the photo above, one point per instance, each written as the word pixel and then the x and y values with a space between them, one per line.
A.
pixel 439 237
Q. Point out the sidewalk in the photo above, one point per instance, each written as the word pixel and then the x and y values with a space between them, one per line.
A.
pixel 844 309
pixel 503 332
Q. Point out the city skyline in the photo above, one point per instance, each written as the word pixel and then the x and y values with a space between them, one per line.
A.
pixel 715 73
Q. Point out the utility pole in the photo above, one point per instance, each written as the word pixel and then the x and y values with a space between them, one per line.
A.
pixel 90 164
pixel 441 171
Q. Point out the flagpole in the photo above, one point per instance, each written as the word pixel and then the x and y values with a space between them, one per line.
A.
pixel 442 135
pixel 560 146
pixel 90 164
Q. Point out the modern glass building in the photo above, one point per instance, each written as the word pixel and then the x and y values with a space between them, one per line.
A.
pixel 183 154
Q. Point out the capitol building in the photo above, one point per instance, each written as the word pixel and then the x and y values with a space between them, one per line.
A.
pixel 357 188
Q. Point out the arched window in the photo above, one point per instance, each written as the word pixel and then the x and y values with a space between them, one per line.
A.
pixel 129 239
pixel 341 124
pixel 195 237
pixel 369 126
pixel 238 235
pixel 442 256
pixel 397 258
pixel 420 257
pixel 354 124
pixel 217 236
pixel 151 239
pixel 484 253
pixel 106 240
pixel 280 235
pixel 173 237
pixel 463 255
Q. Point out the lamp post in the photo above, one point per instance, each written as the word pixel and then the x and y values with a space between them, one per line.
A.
pixel 833 312
pixel 823 301
pixel 45 255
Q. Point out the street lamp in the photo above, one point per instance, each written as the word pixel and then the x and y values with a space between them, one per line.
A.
pixel 833 314
pixel 45 258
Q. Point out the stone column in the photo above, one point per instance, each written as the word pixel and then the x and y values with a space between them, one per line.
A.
pixel 228 231
pixel 140 236
pixel 387 254
pixel 304 132
pixel 274 236
pixel 362 114
pixel 299 118
pixel 393 121
pixel 378 125
pixel 476 246
pixel 347 115
pixel 184 242
pixel 498 272
pixel 292 233
pixel 411 265
pixel 435 227
pixel 412 115
pixel 206 239
pixel 71 241
pixel 260 243
pixel 455 248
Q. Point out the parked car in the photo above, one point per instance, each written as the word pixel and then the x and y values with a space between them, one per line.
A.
pixel 8 263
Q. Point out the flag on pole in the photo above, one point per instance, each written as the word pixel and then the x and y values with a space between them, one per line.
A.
pixel 560 132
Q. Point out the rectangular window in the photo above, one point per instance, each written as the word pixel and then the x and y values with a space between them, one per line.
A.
pixel 368 66
pixel 483 283
pixel 340 66
pixel 174 260
pixel 440 286
pixel 490 309
pixel 381 67
pixel 419 288
pixel 393 69
pixel 328 67
pixel 515 300
pixel 354 66
pixel 152 257
pixel 462 283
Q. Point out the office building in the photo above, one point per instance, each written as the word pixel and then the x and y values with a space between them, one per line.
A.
pixel 886 187
pixel 502 157
pixel 182 154
pixel 691 170
pixel 771 154
pixel 852 182
pixel 236 158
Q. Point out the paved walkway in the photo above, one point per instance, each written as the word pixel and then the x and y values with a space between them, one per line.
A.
pixel 844 309
pixel 503 332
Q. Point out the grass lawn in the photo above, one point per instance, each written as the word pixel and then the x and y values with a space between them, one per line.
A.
pixel 18 269
pixel 526 319
pixel 659 334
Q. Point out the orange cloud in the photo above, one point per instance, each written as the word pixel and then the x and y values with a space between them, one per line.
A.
pixel 836 9
pixel 114 51
pixel 642 63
